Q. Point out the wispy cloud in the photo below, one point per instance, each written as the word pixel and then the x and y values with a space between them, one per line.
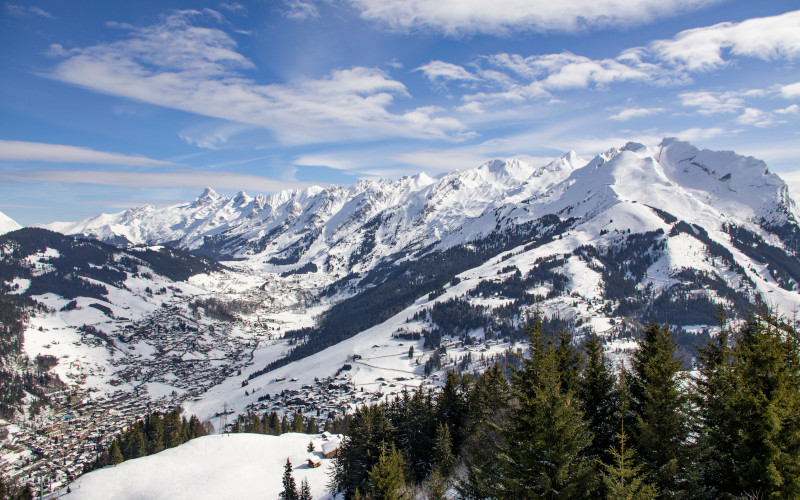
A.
pixel 630 113
pixel 505 77
pixel 300 10
pixel 60 153
pixel 712 103
pixel 179 65
pixel 25 11
pixel 217 180
pixel 462 17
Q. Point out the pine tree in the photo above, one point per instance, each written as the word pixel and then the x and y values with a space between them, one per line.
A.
pixel 297 422
pixel 765 457
pixel 115 453
pixel 622 477
pixel 488 405
pixel 714 389
pixel 387 477
pixel 369 430
pixel 443 458
pixel 661 406
pixel 546 434
pixel 289 487
pixel 305 490
pixel 599 399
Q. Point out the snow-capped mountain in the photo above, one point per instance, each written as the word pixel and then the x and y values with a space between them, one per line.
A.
pixel 324 278
pixel 328 225
pixel 7 224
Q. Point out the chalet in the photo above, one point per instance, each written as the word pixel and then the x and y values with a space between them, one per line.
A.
pixel 330 449
pixel 314 461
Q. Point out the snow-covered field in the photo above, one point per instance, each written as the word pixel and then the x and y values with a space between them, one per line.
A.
pixel 240 466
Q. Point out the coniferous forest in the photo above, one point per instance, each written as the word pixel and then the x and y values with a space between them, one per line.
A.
pixel 565 425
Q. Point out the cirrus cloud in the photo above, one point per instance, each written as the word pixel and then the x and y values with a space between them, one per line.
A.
pixel 179 65
pixel 61 153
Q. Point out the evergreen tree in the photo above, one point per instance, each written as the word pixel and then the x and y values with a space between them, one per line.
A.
pixel 443 458
pixel 297 422
pixel 488 404
pixel 274 424
pixel 714 389
pixel 570 361
pixel 305 490
pixel 369 430
pixel 764 456
pixel 115 453
pixel 138 444
pixel 546 433
pixel 451 407
pixel 154 429
pixel 387 476
pixel 285 427
pixel 289 487
pixel 661 428
pixel 599 399
pixel 414 423
pixel 622 477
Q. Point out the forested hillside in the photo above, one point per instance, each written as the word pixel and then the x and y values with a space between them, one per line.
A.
pixel 564 425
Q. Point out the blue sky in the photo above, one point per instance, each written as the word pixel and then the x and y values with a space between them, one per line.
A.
pixel 109 105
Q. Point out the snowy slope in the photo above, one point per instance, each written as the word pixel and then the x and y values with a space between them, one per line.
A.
pixel 7 224
pixel 210 467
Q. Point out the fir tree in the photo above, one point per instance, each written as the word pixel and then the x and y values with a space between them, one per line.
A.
pixel 387 476
pixel 297 422
pixel 599 399
pixel 661 427
pixel 289 487
pixel 765 456
pixel 487 403
pixel 443 458
pixel 305 490
pixel 546 434
pixel 115 453
pixel 369 430
pixel 622 477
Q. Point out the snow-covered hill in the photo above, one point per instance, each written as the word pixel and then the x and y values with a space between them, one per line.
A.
pixel 211 467
pixel 7 224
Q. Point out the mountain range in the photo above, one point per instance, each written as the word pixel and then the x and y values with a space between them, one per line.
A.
pixel 315 280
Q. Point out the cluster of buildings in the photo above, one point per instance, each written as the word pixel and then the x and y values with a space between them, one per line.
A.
pixel 50 454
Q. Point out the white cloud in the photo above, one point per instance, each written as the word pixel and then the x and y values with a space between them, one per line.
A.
pixel 567 70
pixel 757 118
pixel 459 17
pixel 22 11
pixel 300 10
pixel 439 72
pixel 791 91
pixel 234 7
pixel 197 69
pixel 789 110
pixel 629 113
pixel 217 180
pixel 701 49
pixel 60 153
pixel 712 103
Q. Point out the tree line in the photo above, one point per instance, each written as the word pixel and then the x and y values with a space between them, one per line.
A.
pixel 565 425
pixel 152 434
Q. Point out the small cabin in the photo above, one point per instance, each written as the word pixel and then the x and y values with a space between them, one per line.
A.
pixel 314 462
pixel 330 449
